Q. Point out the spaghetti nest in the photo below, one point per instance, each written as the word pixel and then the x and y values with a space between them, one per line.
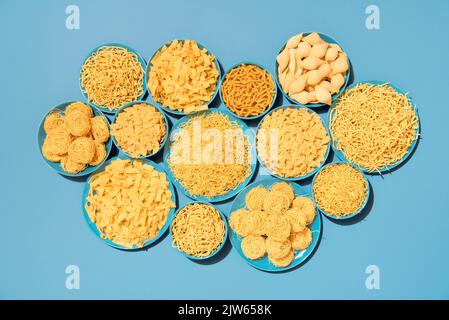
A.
pixel 210 155
pixel 248 90
pixel 112 76
pixel 198 230
pixel 340 190
pixel 373 125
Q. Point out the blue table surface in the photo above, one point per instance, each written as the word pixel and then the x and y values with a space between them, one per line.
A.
pixel 42 229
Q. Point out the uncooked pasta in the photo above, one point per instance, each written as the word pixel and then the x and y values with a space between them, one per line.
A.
pixel 112 76
pixel 198 230
pixel 248 90
pixel 340 190
pixel 373 125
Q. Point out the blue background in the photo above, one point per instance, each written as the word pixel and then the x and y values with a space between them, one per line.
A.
pixel 42 229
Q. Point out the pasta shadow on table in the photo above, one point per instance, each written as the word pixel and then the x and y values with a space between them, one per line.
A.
pixel 218 257
pixel 359 217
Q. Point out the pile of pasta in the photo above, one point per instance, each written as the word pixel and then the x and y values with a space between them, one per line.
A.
pixel 274 222
pixel 183 77
pixel 248 90
pixel 373 125
pixel 112 76
pixel 129 202
pixel 139 130
pixel 340 189
pixel 210 155
pixel 75 138
pixel 292 142
pixel 198 230
pixel 310 70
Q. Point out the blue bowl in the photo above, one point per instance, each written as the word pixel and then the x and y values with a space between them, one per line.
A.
pixel 223 217
pixel 272 101
pixel 41 135
pixel 93 226
pixel 263 263
pixel 349 216
pixel 130 104
pixel 141 61
pixel 167 109
pixel 340 154
pixel 328 39
pixel 308 174
pixel 247 132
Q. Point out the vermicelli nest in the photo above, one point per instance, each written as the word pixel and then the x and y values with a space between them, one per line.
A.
pixel 198 230
pixel 112 76
pixel 222 162
pixel 340 190
pixel 75 138
pixel 373 125
pixel 281 221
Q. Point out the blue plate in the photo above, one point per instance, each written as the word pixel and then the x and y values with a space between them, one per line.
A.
pixel 264 263
pixel 247 132
pixel 41 135
pixel 341 155
pixel 176 112
pixel 223 217
pixel 359 210
pixel 141 61
pixel 130 104
pixel 272 101
pixel 94 228
pixel 310 173
pixel 328 39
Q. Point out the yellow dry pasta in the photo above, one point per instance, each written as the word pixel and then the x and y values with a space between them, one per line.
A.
pixel 182 76
pixel 340 190
pixel 285 188
pixel 301 240
pixel 198 230
pixel 373 125
pixel 292 142
pixel 82 150
pixel 139 130
pixel 283 261
pixel 129 202
pixel 248 90
pixel 213 173
pixel 99 129
pixel 54 120
pixel 112 76
pixel 255 197
pixel 253 247
pixel 305 205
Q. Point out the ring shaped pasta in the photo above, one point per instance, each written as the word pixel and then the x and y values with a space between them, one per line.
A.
pixel 248 90
pixel 198 230
pixel 253 247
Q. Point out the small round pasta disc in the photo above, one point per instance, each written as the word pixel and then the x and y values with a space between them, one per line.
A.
pixel 82 150
pixel 79 106
pixel 70 166
pixel 277 249
pixel 77 123
pixel 297 218
pixel 255 198
pixel 276 202
pixel 58 141
pixel 100 154
pixel 307 206
pixel 257 222
pixel 278 227
pixel 253 247
pixel 284 188
pixel 49 155
pixel 54 120
pixel 99 128
pixel 301 240
pixel 284 261
pixel 239 222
